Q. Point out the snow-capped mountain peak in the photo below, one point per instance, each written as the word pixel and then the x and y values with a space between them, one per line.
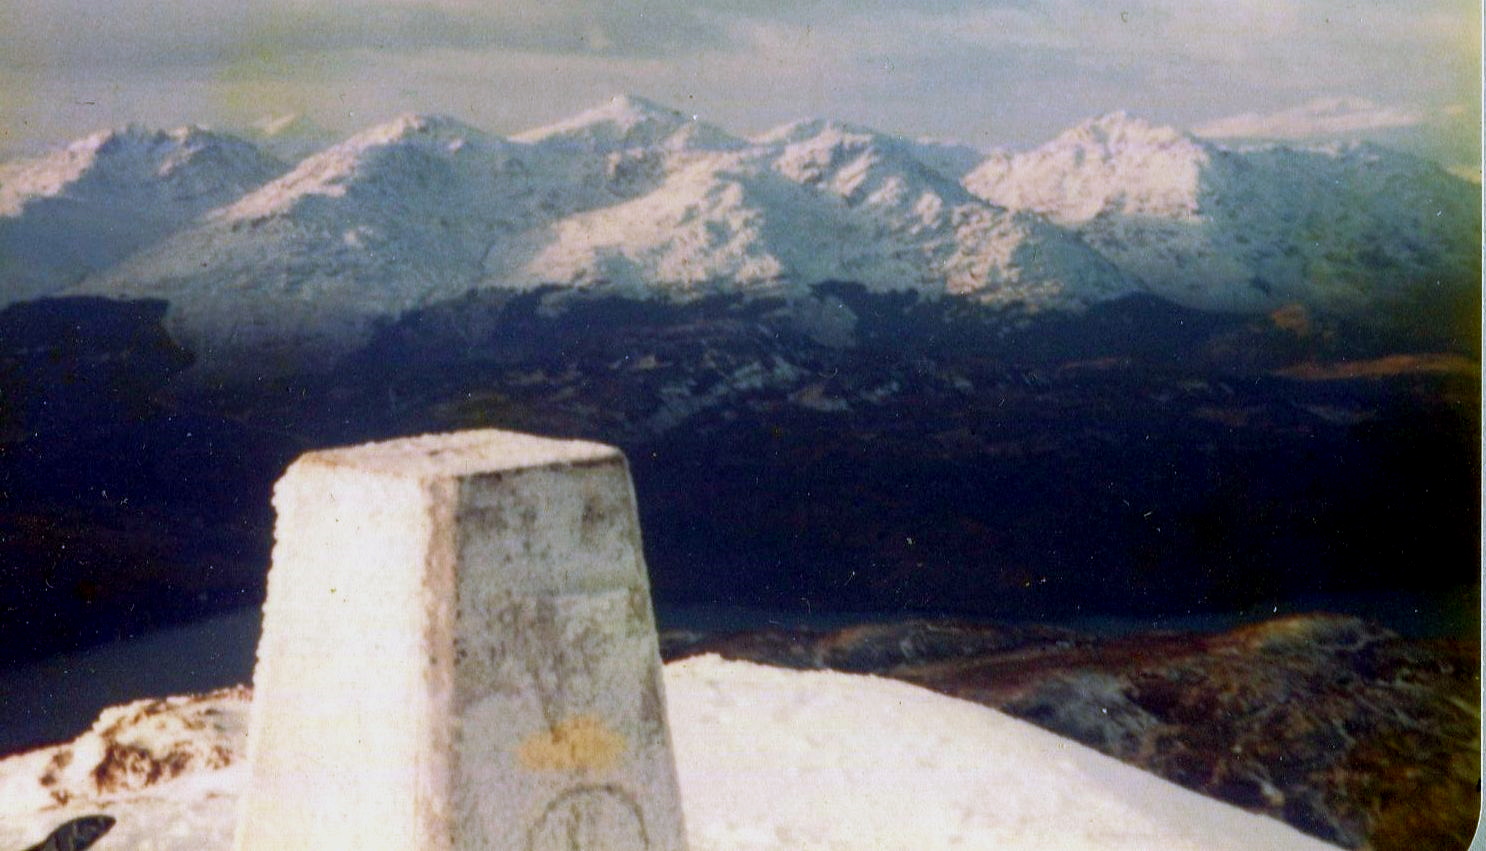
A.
pixel 138 140
pixel 376 151
pixel 1113 163
pixel 813 146
pixel 85 207
pixel 859 164
pixel 131 155
pixel 1116 131
pixel 1341 227
pixel 630 121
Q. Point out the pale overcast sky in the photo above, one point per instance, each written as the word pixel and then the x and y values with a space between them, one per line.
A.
pixel 993 73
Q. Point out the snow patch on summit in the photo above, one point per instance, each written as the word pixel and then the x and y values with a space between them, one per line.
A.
pixel 767 759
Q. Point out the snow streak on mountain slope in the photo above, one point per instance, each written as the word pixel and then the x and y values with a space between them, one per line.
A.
pixel 767 759
pixel 1343 227
pixel 89 205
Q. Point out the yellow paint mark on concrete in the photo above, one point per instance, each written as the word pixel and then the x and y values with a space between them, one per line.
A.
pixel 580 743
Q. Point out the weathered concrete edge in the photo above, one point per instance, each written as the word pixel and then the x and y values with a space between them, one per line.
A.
pixel 481 452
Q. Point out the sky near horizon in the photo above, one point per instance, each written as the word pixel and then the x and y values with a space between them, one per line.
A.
pixel 992 73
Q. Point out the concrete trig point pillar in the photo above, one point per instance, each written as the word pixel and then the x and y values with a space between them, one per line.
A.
pixel 459 652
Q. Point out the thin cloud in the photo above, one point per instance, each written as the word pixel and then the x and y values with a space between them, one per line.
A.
pixel 74 35
pixel 992 72
pixel 1320 117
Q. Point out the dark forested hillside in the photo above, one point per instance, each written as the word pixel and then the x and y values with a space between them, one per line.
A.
pixel 849 451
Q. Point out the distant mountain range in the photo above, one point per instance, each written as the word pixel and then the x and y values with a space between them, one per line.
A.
pixel 633 198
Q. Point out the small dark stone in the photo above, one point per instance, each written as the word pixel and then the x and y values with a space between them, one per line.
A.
pixel 76 835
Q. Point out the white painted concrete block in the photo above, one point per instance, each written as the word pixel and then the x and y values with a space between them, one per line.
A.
pixel 459 652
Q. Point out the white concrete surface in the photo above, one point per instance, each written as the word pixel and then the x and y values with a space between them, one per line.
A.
pixel 459 652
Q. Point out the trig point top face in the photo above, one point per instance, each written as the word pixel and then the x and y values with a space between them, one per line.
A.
pixel 461 454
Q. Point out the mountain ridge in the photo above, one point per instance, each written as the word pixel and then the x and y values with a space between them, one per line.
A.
pixel 638 198
pixel 1340 227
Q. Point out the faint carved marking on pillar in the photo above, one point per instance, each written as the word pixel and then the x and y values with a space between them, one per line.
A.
pixel 590 818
